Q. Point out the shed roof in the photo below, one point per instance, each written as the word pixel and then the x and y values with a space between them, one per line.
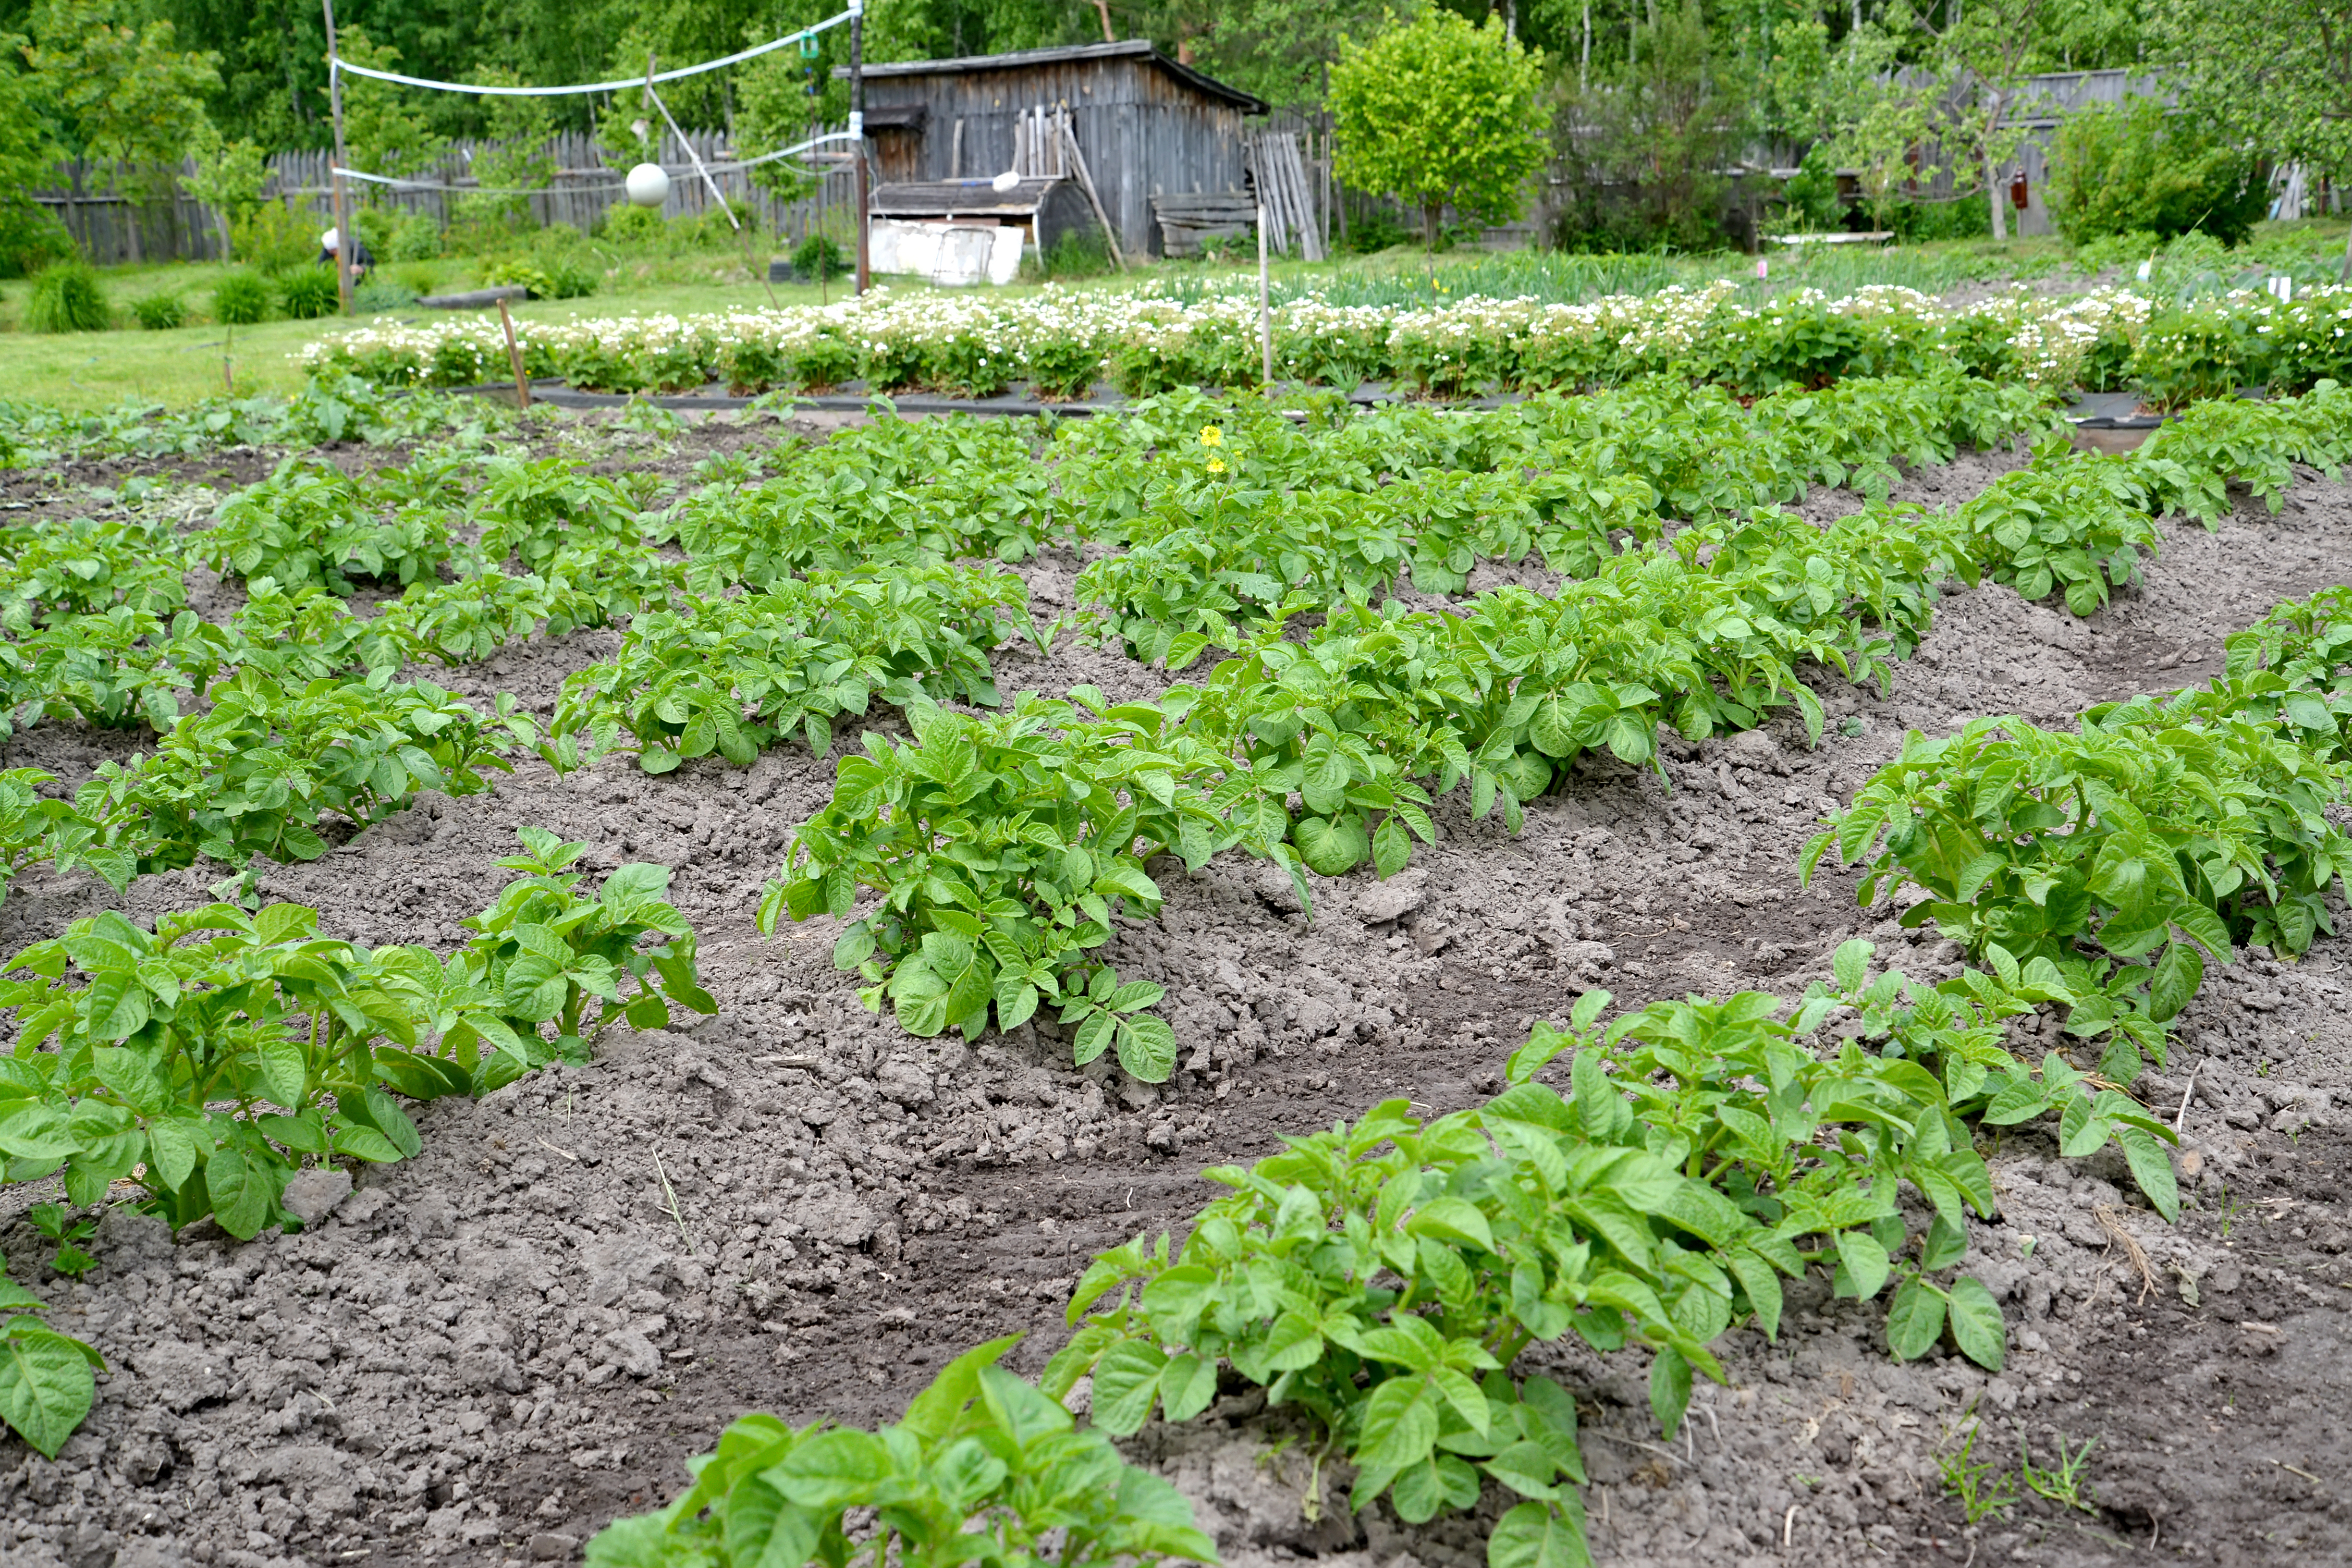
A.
pixel 971 198
pixel 1135 49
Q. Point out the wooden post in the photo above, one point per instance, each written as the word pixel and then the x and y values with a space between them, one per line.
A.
pixel 858 141
pixel 514 358
pixel 1264 297
pixel 344 240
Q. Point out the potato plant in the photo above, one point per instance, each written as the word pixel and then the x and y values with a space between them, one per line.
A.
pixel 532 509
pixel 999 851
pixel 271 764
pixel 40 829
pixel 310 523
pixel 52 571
pixel 1382 1278
pixel 737 675
pixel 113 669
pixel 2138 840
pixel 208 1059
pixel 982 1466
pixel 46 1385
pixel 546 953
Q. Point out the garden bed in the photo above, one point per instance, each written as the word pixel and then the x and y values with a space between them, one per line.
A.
pixel 486 1353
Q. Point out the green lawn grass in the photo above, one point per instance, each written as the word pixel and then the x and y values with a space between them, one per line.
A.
pixel 100 370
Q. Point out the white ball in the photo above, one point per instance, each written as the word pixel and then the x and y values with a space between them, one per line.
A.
pixel 649 185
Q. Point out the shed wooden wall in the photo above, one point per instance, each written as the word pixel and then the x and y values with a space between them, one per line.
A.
pixel 1144 133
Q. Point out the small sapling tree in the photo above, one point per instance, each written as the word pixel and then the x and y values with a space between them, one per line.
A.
pixel 1436 112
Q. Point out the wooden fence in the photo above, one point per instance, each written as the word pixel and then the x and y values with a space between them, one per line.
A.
pixel 118 219
pixel 114 221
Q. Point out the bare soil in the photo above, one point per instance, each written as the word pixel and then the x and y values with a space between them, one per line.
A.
pixel 482 1355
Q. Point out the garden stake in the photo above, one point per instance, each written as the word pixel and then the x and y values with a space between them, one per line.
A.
pixel 514 358
pixel 1264 311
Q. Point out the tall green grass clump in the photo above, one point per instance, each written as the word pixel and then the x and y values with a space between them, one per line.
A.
pixel 67 298
pixel 241 300
pixel 310 291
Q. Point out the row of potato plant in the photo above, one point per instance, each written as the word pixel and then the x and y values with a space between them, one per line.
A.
pixel 996 879
pixel 1382 1278
pixel 102 632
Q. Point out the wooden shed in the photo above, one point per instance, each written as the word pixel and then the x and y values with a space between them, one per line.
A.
pixel 1147 126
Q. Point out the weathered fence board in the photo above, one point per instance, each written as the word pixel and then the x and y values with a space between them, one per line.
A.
pixel 112 226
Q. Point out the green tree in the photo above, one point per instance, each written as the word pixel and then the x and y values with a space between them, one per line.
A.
pixel 2140 168
pixel 1946 102
pixel 1663 120
pixel 119 91
pixel 519 156
pixel 385 131
pixel 1436 110
pixel 774 109
pixel 30 236
pixel 229 178
pixel 2276 74
pixel 1279 50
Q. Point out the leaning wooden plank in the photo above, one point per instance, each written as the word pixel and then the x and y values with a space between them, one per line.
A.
pixel 1086 183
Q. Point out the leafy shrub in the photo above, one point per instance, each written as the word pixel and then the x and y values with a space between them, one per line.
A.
pixel 306 293
pixel 1367 232
pixel 67 298
pixel 1810 195
pixel 1077 253
pixel 817 256
pixel 1922 223
pixel 378 292
pixel 31 237
pixel 159 312
pixel 241 300
pixel 413 236
pixel 275 238
pixel 536 283
pixel 979 1456
pixel 572 277
pixel 2140 167
pixel 625 223
pixel 417 278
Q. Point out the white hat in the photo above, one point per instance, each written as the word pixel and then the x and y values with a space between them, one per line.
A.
pixel 330 240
